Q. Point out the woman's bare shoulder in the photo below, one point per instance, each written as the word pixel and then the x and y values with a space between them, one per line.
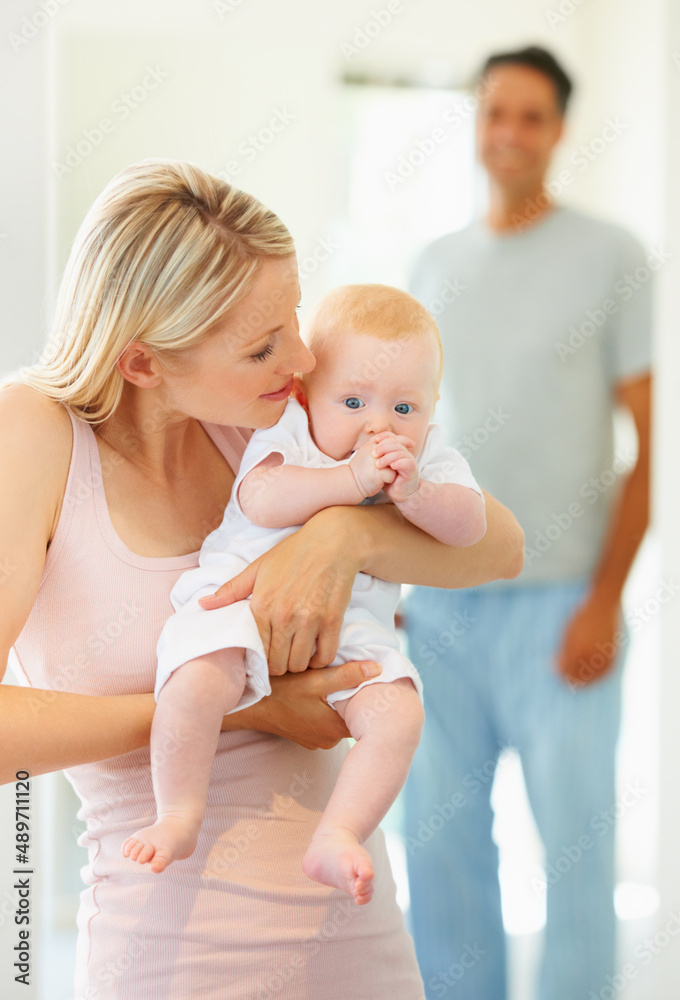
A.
pixel 36 429
pixel 35 450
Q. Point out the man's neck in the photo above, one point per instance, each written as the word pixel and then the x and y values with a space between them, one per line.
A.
pixel 517 209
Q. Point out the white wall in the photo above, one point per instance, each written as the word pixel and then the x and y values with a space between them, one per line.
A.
pixel 620 46
pixel 228 74
pixel 668 491
pixel 24 233
pixel 221 86
pixel 24 249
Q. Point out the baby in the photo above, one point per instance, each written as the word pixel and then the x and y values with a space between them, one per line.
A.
pixel 357 432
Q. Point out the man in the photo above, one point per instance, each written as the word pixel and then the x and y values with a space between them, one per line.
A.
pixel 549 332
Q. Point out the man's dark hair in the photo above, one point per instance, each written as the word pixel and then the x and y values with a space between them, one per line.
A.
pixel 539 59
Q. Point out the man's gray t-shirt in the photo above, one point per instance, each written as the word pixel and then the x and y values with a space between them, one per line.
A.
pixel 537 329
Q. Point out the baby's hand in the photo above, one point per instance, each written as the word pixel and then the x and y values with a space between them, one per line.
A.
pixel 393 451
pixel 369 478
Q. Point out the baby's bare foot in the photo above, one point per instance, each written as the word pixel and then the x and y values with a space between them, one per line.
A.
pixel 169 839
pixel 337 858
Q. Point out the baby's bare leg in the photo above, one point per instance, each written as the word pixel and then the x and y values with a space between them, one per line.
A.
pixel 184 734
pixel 386 721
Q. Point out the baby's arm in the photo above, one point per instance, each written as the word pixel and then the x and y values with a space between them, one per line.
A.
pixel 450 512
pixel 274 495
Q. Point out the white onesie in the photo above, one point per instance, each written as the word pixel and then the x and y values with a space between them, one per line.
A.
pixel 368 627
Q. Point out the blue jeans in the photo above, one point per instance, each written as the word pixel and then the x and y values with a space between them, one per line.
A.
pixel 486 659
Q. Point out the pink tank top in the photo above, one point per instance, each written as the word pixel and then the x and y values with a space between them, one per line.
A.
pixel 237 919
pixel 101 606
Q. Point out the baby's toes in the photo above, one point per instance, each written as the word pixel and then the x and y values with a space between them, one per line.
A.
pixel 132 847
pixel 363 892
pixel 363 884
pixel 137 850
pixel 146 853
pixel 161 860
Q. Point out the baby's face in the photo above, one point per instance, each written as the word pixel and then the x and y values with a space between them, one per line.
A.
pixel 363 385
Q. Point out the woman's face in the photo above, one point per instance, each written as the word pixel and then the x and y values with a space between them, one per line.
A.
pixel 242 375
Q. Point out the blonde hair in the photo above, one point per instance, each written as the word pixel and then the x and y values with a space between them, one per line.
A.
pixel 373 310
pixel 163 255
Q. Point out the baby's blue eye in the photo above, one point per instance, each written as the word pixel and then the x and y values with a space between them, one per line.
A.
pixel 353 402
pixel 404 408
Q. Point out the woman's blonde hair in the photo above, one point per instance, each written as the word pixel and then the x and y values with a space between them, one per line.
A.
pixel 163 255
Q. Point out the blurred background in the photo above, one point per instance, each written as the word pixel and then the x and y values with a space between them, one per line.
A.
pixel 317 109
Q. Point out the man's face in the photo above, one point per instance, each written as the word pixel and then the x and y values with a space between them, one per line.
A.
pixel 518 125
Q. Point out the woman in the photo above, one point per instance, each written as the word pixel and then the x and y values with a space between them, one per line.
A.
pixel 176 328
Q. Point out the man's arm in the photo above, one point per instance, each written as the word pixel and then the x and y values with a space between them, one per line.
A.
pixel 631 516
pixel 592 633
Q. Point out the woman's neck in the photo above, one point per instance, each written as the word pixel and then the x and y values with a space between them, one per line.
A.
pixel 145 432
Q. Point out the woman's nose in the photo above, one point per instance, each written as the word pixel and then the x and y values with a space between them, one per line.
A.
pixel 300 358
pixel 306 361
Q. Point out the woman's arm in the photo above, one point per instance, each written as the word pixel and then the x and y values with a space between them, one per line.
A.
pixel 397 551
pixel 301 588
pixel 48 730
pixel 45 731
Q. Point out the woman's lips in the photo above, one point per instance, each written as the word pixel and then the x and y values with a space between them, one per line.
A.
pixel 280 393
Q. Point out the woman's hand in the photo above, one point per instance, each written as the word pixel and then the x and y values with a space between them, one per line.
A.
pixel 297 708
pixel 301 589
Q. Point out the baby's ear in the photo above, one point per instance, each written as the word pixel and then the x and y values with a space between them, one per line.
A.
pixel 299 392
